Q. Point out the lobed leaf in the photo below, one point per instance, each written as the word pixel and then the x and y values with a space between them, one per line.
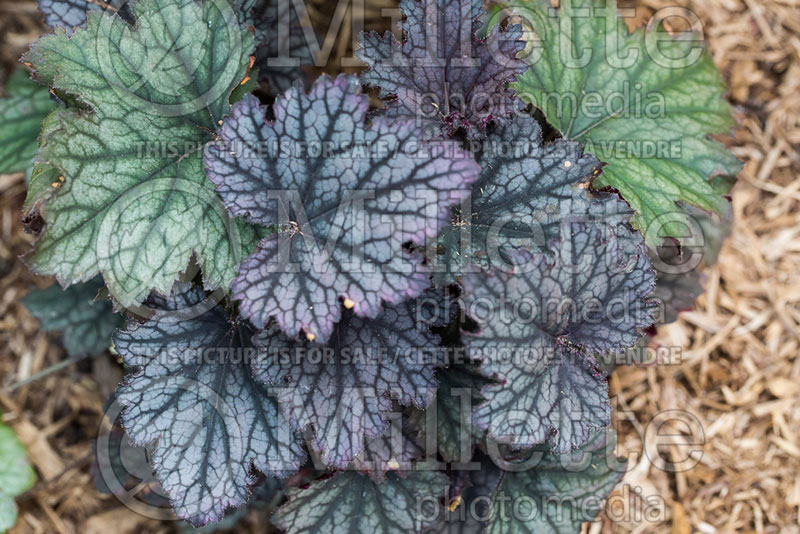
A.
pixel 21 114
pixel 394 451
pixel 194 401
pixel 66 14
pixel 132 201
pixel 86 322
pixel 643 102
pixel 350 502
pixel 343 390
pixel 345 199
pixel 442 75
pixel 282 40
pixel 540 328
pixel 524 192
pixel 265 496
pixel 559 493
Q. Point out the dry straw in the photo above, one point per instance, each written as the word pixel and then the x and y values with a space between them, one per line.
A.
pixel 739 376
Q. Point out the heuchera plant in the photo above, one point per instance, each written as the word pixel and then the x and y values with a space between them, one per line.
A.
pixel 393 318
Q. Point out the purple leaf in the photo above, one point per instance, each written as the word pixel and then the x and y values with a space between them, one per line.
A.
pixel 279 56
pixel 194 402
pixel 344 198
pixel 442 75
pixel 395 451
pixel 542 325
pixel 343 390
pixel 66 13
pixel 525 191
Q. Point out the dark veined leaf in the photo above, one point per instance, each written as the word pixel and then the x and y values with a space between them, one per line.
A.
pixel 86 321
pixel 67 14
pixel 525 191
pixel 227 524
pixel 21 114
pixel 679 282
pixel 559 493
pixel 442 75
pixel 265 496
pixel 349 502
pixel 446 424
pixel 120 466
pixel 540 328
pixel 394 451
pixel 282 42
pixel 345 197
pixel 343 390
pixel 644 102
pixel 194 402
pixel 132 200
pixel 509 495
pixel 16 475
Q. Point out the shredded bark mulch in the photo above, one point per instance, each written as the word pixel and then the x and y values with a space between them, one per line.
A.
pixel 734 392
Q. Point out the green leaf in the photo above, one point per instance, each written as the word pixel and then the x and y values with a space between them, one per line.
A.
pixel 349 502
pixel 87 323
pixel 8 512
pixel 246 87
pixel 559 493
pixel 21 114
pixel 16 475
pixel 632 101
pixel 134 203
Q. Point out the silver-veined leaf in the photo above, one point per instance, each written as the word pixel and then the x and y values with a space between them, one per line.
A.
pixel 343 390
pixel 193 400
pixel 559 493
pixel 345 197
pixel 540 327
pixel 526 190
pixel 442 75
pixel 350 502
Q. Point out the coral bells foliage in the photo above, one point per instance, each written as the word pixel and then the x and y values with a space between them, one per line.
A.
pixel 441 73
pixel 368 314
